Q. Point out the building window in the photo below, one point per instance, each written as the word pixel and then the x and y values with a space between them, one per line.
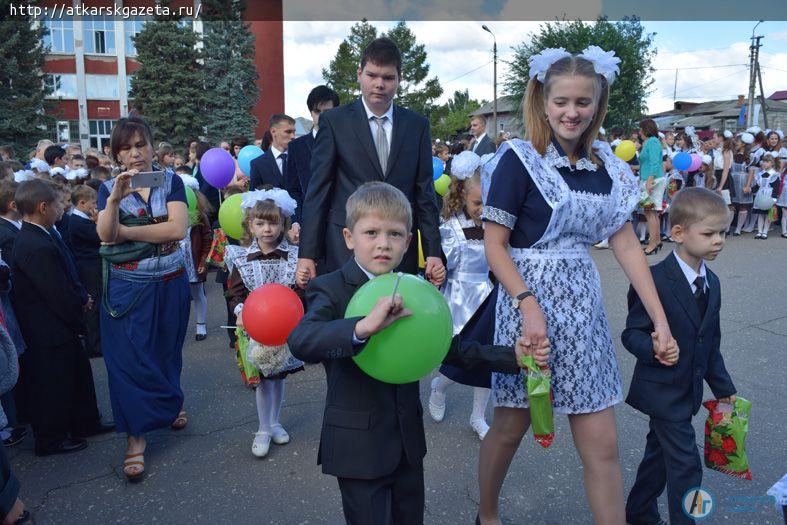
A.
pixel 61 85
pixel 100 132
pixel 102 87
pixel 63 131
pixel 59 37
pixel 131 28
pixel 99 35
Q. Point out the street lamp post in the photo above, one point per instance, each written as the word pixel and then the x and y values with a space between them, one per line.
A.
pixel 494 81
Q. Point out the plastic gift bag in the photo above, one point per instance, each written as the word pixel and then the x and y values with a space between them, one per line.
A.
pixel 725 437
pixel 271 360
pixel 249 372
pixel 539 393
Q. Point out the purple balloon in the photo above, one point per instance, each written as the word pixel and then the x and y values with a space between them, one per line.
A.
pixel 696 162
pixel 217 167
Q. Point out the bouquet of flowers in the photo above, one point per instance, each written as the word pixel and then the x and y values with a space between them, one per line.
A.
pixel 645 201
pixel 216 254
pixel 725 437
pixel 249 373
pixel 271 360
pixel 539 393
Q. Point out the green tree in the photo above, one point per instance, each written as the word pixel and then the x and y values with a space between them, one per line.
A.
pixel 22 90
pixel 452 117
pixel 168 88
pixel 626 37
pixel 415 92
pixel 230 73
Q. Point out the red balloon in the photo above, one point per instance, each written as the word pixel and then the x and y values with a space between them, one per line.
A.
pixel 270 313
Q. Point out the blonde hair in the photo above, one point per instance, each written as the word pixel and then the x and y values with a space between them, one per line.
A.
pixel 454 200
pixel 691 205
pixel 537 128
pixel 381 199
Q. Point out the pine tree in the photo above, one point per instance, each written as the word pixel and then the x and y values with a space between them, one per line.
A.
pixel 230 73
pixel 22 92
pixel 626 37
pixel 168 88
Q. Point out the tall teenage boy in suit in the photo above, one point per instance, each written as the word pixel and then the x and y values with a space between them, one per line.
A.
pixel 370 139
pixel 49 309
pixel 372 436
pixel 667 386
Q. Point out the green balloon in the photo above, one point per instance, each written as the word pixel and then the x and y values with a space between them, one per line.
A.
pixel 441 185
pixel 191 199
pixel 231 216
pixel 413 346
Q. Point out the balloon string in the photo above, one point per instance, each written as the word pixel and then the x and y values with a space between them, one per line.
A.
pixel 396 287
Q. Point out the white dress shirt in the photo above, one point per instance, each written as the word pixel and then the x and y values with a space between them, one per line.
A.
pixel 277 156
pixel 80 214
pixel 691 275
pixel 387 125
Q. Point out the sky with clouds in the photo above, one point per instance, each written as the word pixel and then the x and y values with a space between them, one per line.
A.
pixel 711 57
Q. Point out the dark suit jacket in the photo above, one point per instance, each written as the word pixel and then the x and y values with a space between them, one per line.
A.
pixel 367 424
pixel 85 242
pixel 46 302
pixel 8 234
pixel 674 392
pixel 265 170
pixel 344 157
pixel 299 170
pixel 485 146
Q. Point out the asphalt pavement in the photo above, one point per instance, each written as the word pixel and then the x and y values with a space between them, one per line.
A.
pixel 207 474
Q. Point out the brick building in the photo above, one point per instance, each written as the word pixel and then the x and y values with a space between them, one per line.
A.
pixel 92 58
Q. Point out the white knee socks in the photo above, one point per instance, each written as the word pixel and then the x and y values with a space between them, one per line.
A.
pixel 264 397
pixel 784 221
pixel 480 400
pixel 742 216
pixel 277 400
pixel 200 305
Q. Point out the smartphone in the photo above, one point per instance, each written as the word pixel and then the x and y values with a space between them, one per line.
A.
pixel 147 179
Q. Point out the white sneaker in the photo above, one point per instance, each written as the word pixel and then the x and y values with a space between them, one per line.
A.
pixel 480 427
pixel 261 444
pixel 279 435
pixel 436 402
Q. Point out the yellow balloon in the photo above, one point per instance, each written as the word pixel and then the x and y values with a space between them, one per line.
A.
pixel 421 260
pixel 441 185
pixel 625 150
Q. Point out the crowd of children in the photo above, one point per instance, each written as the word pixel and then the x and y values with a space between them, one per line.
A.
pixel 48 208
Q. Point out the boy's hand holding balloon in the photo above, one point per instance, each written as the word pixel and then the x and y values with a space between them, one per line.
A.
pixel 384 313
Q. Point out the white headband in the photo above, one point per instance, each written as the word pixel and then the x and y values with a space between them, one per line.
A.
pixel 465 164
pixel 279 196
pixel 605 63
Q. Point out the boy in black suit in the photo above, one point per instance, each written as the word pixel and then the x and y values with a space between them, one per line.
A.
pixel 373 435
pixel 668 387
pixel 85 243
pixel 49 309
pixel 10 222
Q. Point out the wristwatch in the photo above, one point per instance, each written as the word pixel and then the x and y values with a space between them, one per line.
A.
pixel 521 297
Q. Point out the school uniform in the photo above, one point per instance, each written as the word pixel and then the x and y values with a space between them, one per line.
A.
pixel 85 243
pixel 372 435
pixel 48 305
pixel 671 395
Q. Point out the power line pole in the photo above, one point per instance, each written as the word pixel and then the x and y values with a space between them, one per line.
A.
pixel 675 89
pixel 762 94
pixel 754 53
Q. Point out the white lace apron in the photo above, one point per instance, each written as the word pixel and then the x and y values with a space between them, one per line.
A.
pixel 259 272
pixel 560 272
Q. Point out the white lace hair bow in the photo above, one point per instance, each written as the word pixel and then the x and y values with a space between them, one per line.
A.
pixel 189 181
pixel 747 138
pixel 38 164
pixel 464 165
pixel 707 159
pixel 605 63
pixel 279 196
pixel 780 133
pixel 23 175
pixel 727 134
pixel 689 130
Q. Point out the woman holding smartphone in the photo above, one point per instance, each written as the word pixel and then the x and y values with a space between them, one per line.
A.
pixel 145 306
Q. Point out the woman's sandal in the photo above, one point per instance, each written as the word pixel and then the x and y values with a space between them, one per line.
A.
pixel 130 463
pixel 180 422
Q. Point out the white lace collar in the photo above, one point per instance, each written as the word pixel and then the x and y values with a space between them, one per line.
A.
pixel 283 246
pixel 554 157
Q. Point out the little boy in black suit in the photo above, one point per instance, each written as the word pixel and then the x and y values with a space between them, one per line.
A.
pixel 85 244
pixel 668 387
pixel 372 436
pixel 49 308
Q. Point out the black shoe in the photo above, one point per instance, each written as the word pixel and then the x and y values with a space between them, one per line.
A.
pixel 23 518
pixel 67 446
pixel 200 337
pixel 17 436
pixel 100 428
pixel 654 250
pixel 477 520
